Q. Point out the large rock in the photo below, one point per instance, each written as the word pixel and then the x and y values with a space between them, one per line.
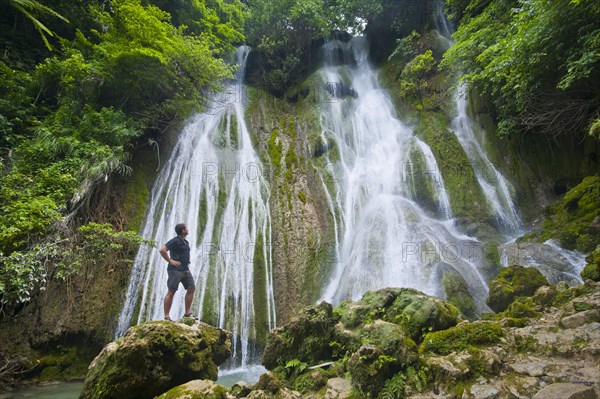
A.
pixel 306 338
pixel 581 318
pixel 154 357
pixel 338 388
pixel 513 281
pixel 416 312
pixel 566 391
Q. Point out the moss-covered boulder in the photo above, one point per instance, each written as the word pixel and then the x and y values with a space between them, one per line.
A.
pixel 197 389
pixel 419 313
pixel 154 357
pixel 592 270
pixel 306 338
pixel 416 312
pixel 461 337
pixel 513 281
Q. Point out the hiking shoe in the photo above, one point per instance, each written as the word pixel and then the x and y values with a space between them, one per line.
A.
pixel 191 316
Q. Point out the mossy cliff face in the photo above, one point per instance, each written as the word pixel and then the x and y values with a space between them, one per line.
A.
pixel 154 357
pixel 300 221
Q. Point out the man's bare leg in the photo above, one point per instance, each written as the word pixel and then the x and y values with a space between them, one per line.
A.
pixel 189 297
pixel 168 302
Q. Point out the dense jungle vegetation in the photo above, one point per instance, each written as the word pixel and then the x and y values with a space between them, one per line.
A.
pixel 87 84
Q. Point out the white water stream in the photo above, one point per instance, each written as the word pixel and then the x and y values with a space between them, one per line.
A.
pixel 496 188
pixel 384 235
pixel 213 181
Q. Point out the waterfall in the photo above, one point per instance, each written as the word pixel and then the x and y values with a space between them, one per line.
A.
pixel 213 181
pixel 439 19
pixel 385 234
pixel 496 188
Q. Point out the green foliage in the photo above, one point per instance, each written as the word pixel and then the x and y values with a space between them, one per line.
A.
pixel 70 122
pixel 595 129
pixel 22 273
pixel 16 106
pixel 412 79
pixel 538 60
pixel 282 32
pixel 394 387
pixel 295 367
pixel 218 21
pixel 406 49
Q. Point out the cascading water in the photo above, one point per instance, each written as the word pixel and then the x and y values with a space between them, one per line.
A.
pixel 496 188
pixel 213 181
pixel 384 236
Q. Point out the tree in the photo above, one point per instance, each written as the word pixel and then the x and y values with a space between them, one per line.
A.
pixel 32 9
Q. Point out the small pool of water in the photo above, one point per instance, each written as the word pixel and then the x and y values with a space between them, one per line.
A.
pixel 59 390
pixel 249 374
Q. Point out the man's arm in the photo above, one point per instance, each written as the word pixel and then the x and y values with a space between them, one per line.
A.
pixel 164 252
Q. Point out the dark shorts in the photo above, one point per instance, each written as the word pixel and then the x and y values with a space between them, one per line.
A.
pixel 184 277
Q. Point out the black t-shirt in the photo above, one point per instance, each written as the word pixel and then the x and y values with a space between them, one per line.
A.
pixel 179 249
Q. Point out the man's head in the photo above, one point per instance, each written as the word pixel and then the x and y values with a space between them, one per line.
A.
pixel 181 229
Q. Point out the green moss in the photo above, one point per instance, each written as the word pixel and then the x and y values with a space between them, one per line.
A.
pixel 183 391
pixel 457 293
pixel 311 380
pixel 419 314
pixel 522 307
pixel 261 307
pixel 136 199
pixel 421 181
pixel 462 337
pixel 513 281
pixel 319 264
pixel 274 148
pixel 491 255
pixel 526 344
pixel 571 219
pixel 592 270
pixel 565 293
pixel 202 216
pixel 302 196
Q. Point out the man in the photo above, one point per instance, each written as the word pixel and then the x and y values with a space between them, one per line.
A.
pixel 178 270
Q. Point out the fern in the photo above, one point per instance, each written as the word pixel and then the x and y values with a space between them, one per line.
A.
pixel 394 388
